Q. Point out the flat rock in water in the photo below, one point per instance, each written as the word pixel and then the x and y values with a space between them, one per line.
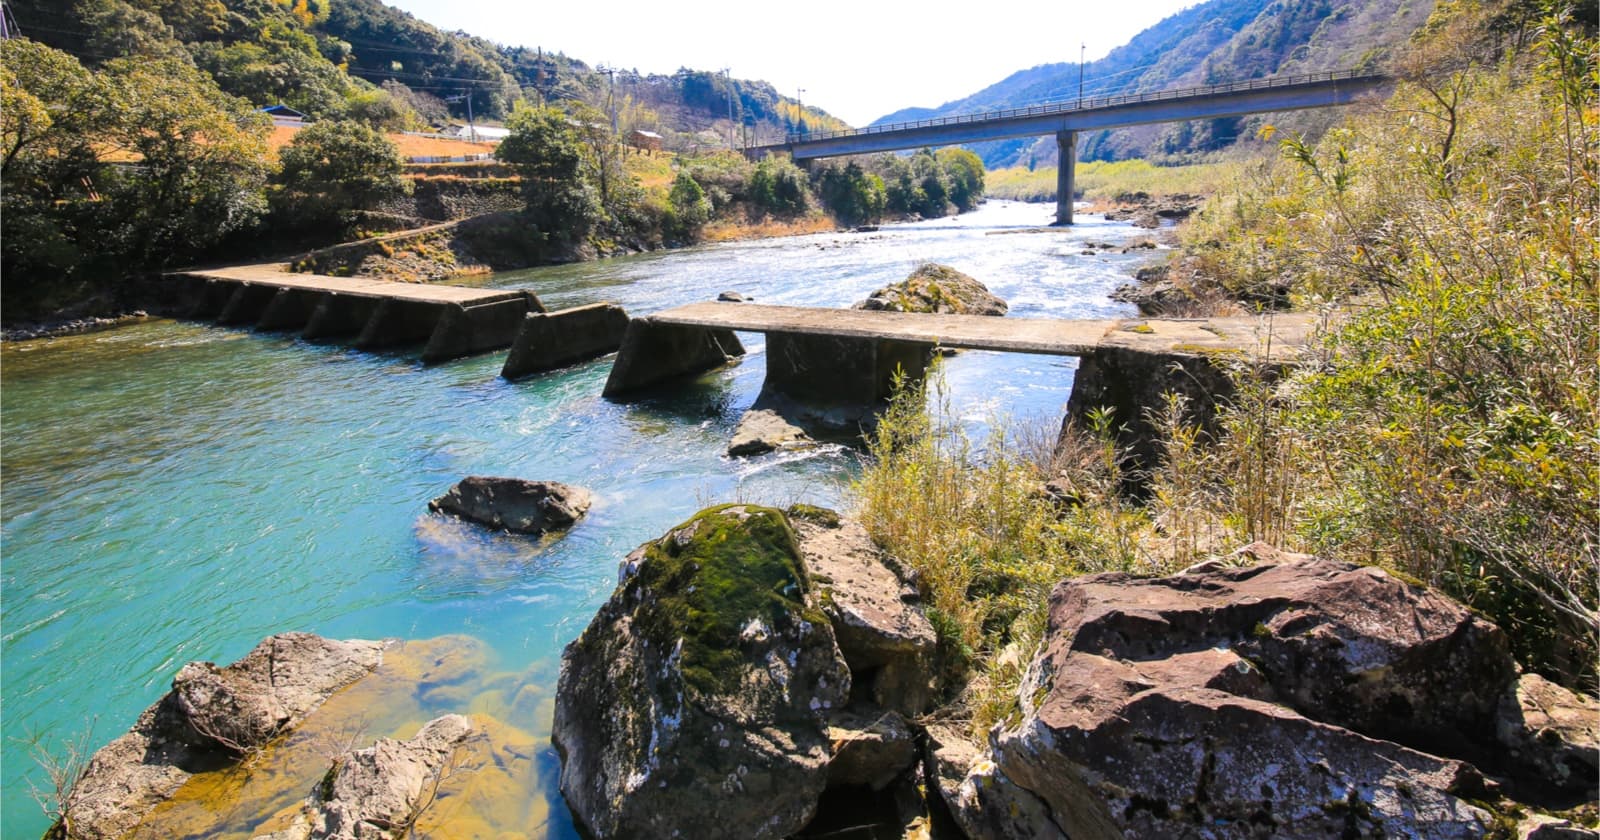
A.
pixel 764 429
pixel 377 793
pixel 515 504
pixel 209 720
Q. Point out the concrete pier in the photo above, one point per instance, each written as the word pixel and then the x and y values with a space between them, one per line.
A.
pixel 449 321
pixel 827 367
pixel 654 352
pixel 550 340
pixel 850 354
pixel 1066 175
pixel 291 309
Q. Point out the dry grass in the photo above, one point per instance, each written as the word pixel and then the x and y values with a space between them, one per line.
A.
pixel 730 230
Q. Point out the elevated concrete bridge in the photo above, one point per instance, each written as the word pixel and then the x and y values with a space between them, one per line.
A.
pixel 1066 119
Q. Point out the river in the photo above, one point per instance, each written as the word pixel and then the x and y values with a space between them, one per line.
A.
pixel 174 491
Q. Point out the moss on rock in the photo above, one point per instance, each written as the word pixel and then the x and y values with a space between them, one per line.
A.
pixel 935 288
pixel 712 580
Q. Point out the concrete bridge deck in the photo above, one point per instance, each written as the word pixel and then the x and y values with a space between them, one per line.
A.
pixel 278 275
pixel 848 353
pixel 1066 119
pixel 449 321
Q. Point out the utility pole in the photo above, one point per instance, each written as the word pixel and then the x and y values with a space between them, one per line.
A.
pixel 1081 48
pixel 611 94
pixel 800 100
pixel 728 80
pixel 472 131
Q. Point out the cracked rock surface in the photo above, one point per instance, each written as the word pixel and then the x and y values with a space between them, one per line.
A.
pixel 1308 699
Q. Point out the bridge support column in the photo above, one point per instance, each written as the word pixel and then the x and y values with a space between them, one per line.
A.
pixel 653 353
pixel 550 340
pixel 465 330
pixel 1067 150
pixel 828 370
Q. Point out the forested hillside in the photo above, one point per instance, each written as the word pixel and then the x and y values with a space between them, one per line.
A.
pixel 1216 41
pixel 363 60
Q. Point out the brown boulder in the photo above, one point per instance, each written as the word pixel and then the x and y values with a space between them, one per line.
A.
pixel 515 504
pixel 1552 734
pixel 1294 697
pixel 938 289
pixel 871 747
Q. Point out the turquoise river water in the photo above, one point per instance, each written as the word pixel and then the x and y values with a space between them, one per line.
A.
pixel 175 491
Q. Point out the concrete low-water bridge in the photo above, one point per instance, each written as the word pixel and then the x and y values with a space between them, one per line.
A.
pixel 1066 119
pixel 830 369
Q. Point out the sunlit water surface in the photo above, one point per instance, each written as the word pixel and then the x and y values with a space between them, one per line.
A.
pixel 174 491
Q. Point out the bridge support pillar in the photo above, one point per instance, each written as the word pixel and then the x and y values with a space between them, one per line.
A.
pixel 829 370
pixel 653 353
pixel 1067 150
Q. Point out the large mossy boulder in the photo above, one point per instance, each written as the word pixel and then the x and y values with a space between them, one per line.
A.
pixel 696 702
pixel 937 289
pixel 1308 699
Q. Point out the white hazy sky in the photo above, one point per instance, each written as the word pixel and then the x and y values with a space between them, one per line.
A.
pixel 856 60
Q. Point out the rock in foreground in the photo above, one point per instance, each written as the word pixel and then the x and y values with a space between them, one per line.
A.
pixel 1301 699
pixel 210 718
pixel 515 504
pixel 699 694
pixel 938 289
pixel 377 793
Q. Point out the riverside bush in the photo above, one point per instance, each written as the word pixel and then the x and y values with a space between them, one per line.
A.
pixel 1448 427
pixel 986 540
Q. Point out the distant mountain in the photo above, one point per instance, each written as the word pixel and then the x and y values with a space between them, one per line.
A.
pixel 366 60
pixel 1216 41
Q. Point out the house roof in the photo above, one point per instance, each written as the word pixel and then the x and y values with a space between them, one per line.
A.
pixel 280 110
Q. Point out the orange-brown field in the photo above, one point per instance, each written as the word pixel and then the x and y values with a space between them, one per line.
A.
pixel 409 145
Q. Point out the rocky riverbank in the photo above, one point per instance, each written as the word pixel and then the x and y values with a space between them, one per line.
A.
pixel 757 669
pixel 772 673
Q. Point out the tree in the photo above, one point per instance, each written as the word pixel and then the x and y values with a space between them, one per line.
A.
pixel 964 171
pixel 111 173
pixel 778 186
pixel 336 167
pixel 202 159
pixel 690 207
pixel 50 108
pixel 550 157
pixel 852 194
